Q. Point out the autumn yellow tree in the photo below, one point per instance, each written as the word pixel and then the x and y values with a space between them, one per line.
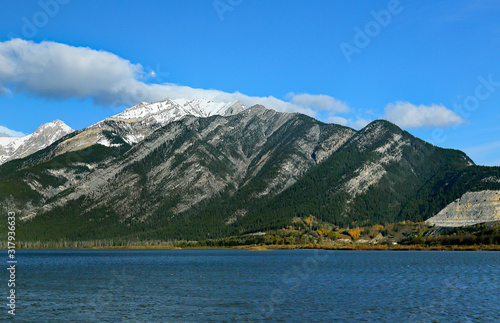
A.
pixel 309 220
pixel 354 233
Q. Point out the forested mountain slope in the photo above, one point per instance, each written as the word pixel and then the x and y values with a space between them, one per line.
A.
pixel 248 171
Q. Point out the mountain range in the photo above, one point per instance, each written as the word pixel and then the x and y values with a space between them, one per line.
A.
pixel 196 169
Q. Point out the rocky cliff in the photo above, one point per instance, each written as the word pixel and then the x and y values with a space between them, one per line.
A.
pixel 472 208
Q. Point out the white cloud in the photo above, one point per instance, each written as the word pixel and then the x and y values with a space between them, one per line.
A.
pixel 337 120
pixel 6 132
pixel 4 91
pixel 407 115
pixel 360 123
pixel 58 71
pixel 321 102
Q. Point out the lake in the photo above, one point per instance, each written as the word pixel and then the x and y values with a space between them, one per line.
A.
pixel 240 285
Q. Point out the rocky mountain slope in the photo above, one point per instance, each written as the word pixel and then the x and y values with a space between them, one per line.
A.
pixel 375 177
pixel 136 123
pixel 19 147
pixel 187 162
pixel 197 169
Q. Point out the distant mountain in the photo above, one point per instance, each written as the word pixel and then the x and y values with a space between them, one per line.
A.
pixel 141 120
pixel 44 136
pixel 136 123
pixel 130 126
pixel 179 169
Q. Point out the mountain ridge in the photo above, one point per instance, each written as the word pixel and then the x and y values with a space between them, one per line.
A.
pixel 19 147
pixel 136 122
pixel 245 171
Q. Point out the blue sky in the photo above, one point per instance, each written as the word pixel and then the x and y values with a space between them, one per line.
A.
pixel 431 67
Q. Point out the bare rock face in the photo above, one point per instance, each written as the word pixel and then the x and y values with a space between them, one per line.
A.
pixel 472 208
pixel 188 168
pixel 136 123
pixel 257 151
pixel 20 147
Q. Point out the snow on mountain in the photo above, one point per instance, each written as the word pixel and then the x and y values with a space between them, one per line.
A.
pixel 132 125
pixel 45 135
pixel 170 110
pixel 145 118
pixel 12 143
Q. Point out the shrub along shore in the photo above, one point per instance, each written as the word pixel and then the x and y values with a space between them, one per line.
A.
pixel 310 234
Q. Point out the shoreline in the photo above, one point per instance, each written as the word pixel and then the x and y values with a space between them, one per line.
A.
pixel 292 247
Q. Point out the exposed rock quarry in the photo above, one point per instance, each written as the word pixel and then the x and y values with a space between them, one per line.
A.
pixel 472 208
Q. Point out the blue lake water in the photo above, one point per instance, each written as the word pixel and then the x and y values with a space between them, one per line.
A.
pixel 240 285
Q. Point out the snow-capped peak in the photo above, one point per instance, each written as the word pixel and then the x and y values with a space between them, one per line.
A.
pixel 44 136
pixel 133 125
pixel 152 116
pixel 169 110
pixel 54 126
pixel 52 131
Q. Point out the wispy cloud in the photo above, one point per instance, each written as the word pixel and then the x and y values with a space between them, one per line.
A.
pixel 464 11
pixel 489 151
pixel 6 132
pixel 337 120
pixel 58 71
pixel 320 102
pixel 485 148
pixel 360 123
pixel 408 115
pixel 328 106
